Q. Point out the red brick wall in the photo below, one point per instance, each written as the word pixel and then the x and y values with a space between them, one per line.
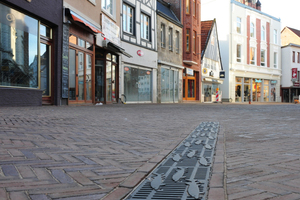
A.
pixel 258 37
pixel 268 44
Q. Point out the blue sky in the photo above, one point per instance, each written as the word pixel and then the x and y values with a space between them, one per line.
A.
pixel 286 10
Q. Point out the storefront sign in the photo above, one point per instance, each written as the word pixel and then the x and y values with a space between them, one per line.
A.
pixel 273 82
pixel 140 53
pixel 294 74
pixel 258 81
pixel 222 74
pixel 148 72
pixel 296 84
pixel 189 71
pixel 111 30
pixel 126 69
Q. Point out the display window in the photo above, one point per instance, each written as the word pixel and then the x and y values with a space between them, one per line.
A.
pixel 169 85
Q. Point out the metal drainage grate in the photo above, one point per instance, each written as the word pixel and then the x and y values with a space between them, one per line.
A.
pixel 185 173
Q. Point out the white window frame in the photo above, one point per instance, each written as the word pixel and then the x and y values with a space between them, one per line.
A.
pixel 275 36
pixel 239 47
pixel 128 19
pixel 263 55
pixel 105 9
pixel 145 27
pixel 275 60
pixel 239 25
pixel 263 33
pixel 252 28
pixel 252 62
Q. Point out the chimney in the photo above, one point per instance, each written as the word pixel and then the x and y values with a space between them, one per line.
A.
pixel 258 5
pixel 250 3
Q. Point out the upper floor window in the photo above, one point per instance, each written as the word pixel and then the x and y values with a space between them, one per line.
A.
pixel 107 5
pixel 293 56
pixel 127 19
pixel 263 33
pixel 177 41
pixel 194 8
pixel 194 41
pixel 238 25
pixel 163 35
pixel 275 60
pixel 239 53
pixel 170 39
pixel 262 58
pixel 187 35
pixel 145 28
pixel 187 6
pixel 275 36
pixel 298 57
pixel 252 30
pixel 252 56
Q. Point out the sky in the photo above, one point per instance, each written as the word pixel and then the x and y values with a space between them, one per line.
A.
pixel 286 10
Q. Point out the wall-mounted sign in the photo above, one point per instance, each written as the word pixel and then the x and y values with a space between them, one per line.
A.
pixel 126 69
pixel 204 71
pixel 148 72
pixel 110 30
pixel 273 82
pixel 140 53
pixel 294 73
pixel 189 71
pixel 258 80
pixel 222 74
pixel 296 84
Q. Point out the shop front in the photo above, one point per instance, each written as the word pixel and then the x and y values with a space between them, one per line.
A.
pixel 209 91
pixel 255 90
pixel 190 81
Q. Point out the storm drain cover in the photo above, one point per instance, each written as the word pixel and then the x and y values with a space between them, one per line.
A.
pixel 185 173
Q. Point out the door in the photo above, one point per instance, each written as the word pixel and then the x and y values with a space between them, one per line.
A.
pixel 207 93
pixel 110 82
pixel 189 88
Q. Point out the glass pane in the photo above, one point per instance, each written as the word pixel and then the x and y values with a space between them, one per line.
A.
pixel 72 74
pixel 73 39
pixel 171 86
pixel 246 93
pixel 207 93
pixel 131 83
pixel 114 58
pixel 80 76
pixel 165 85
pixel 108 56
pixel 113 83
pixel 247 80
pixel 19 49
pixel 191 88
pixel 273 94
pixel 45 69
pixel 99 83
pixel 238 79
pixel 238 97
pixel 81 43
pixel 266 93
pixel 176 84
pixel 89 46
pixel 45 31
pixel 108 82
pixel 144 85
pixel 88 77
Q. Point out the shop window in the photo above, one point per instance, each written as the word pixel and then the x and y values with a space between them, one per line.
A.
pixel 177 41
pixel 266 90
pixel 238 24
pixel 127 19
pixel 45 31
pixel 238 53
pixel 169 85
pixel 163 35
pixel 145 27
pixel 19 49
pixel 252 30
pixel 262 58
pixel 170 39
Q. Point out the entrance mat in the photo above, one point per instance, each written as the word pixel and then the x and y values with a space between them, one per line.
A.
pixel 184 174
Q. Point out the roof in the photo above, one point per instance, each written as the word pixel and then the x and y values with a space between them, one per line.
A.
pixel 206 27
pixel 297 32
pixel 163 8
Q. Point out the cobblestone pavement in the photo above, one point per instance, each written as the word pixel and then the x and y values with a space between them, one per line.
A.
pixel 102 152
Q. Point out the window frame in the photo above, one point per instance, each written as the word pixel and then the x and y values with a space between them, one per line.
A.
pixel 194 41
pixel 263 33
pixel 143 28
pixel 188 40
pixel 125 20
pixel 187 7
pixel 163 35
pixel 263 57
pixel 170 33
pixel 195 8
pixel 113 14
pixel 177 35
pixel 239 25
pixel 239 59
pixel 252 28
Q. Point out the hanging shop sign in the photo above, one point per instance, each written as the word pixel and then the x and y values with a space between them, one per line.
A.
pixel 222 74
pixel 140 53
pixel 294 74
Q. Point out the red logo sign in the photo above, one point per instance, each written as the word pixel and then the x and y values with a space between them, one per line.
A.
pixel 140 53
pixel 296 84
pixel 294 73
pixel 126 68
pixel 148 72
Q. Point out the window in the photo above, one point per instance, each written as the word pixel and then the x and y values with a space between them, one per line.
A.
pixel 252 30
pixel 187 40
pixel 293 56
pixel 275 36
pixel 187 5
pixel 194 41
pixel 145 28
pixel 195 8
pixel 262 58
pixel 263 33
pixel 107 5
pixel 163 35
pixel 238 24
pixel 127 19
pixel 298 57
pixel 238 53
pixel 275 60
pixel 252 56
pixel 170 39
pixel 177 41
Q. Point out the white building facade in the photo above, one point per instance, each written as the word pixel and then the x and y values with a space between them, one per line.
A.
pixel 250 50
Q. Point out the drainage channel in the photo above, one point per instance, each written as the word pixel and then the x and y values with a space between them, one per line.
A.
pixel 184 174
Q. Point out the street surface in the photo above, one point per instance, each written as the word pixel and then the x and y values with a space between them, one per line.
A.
pixel 103 152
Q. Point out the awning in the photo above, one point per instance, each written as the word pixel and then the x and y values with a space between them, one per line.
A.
pixel 78 18
pixel 117 48
pixel 213 80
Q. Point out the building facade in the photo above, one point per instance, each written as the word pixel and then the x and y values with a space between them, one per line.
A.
pixel 30 52
pixel 290 53
pixel 211 63
pixel 138 74
pixel 250 49
pixel 169 49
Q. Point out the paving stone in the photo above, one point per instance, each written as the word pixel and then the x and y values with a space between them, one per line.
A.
pixel 61 176
pixel 10 170
pixel 133 180
pixel 119 193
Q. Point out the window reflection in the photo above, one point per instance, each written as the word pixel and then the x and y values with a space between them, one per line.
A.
pixel 45 73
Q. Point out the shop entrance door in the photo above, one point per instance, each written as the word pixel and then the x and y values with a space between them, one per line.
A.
pixel 189 88
pixel 80 77
pixel 110 89
pixel 207 93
